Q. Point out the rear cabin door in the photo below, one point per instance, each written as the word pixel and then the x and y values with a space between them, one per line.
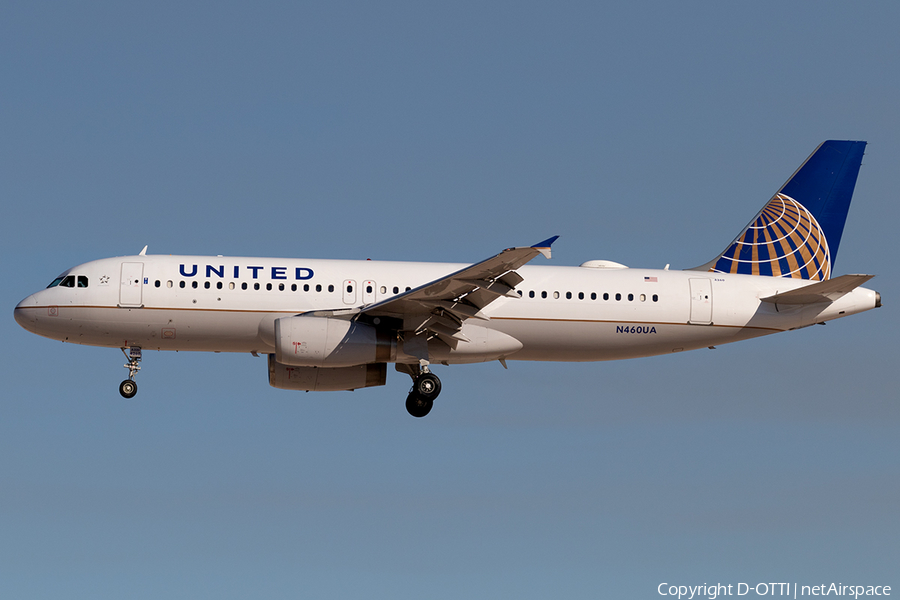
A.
pixel 701 301
pixel 130 285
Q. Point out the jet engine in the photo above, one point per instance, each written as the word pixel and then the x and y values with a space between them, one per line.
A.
pixel 325 379
pixel 306 341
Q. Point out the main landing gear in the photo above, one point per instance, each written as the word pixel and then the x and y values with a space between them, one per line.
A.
pixel 426 387
pixel 128 388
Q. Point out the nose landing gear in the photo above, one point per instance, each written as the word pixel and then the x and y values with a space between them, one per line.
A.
pixel 128 388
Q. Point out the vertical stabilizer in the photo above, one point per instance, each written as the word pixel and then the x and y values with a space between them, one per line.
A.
pixel 797 233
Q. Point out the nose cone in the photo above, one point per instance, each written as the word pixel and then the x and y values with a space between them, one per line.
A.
pixel 26 313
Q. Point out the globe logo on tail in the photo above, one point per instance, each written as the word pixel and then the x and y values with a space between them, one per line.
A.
pixel 785 240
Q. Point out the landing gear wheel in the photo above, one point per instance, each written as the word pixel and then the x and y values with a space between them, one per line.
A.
pixel 128 388
pixel 418 406
pixel 427 386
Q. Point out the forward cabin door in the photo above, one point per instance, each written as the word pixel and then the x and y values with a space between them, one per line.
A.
pixel 130 285
pixel 701 301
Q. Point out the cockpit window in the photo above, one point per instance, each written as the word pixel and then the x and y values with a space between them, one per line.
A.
pixel 69 281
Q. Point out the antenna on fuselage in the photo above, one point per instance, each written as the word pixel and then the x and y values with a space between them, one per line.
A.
pixel 143 252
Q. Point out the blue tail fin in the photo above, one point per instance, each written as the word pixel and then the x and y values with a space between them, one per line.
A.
pixel 797 233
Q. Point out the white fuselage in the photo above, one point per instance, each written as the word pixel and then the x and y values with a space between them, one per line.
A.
pixel 228 304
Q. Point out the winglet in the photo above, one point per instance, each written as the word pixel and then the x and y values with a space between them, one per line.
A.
pixel 544 247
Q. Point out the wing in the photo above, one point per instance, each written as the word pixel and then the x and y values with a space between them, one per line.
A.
pixel 440 307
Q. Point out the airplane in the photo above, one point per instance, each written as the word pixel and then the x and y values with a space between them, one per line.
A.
pixel 329 325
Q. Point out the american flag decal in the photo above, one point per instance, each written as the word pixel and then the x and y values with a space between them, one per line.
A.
pixel 651 279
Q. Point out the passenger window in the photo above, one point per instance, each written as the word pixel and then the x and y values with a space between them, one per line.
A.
pixel 556 295
pixel 396 290
pixel 194 284
pixel 605 295
pixel 318 287
pixel 169 283
pixel 330 288
pixel 280 287
pixel 206 284
pixel 643 297
pixel 305 287
pixel 655 298
pixel 543 294
pixel 531 294
pixel 230 285
pixel 519 292
pixel 618 297
pixel 593 295
pixel 269 287
pixel 630 297
pixel 408 288
pixel 581 295
pixel 368 289
pixel 83 281
pixel 384 289
pixel 218 285
pixel 155 283
pixel 350 289
pixel 255 286
pixel 568 295
pixel 293 287
pixel 181 284
pixel 244 286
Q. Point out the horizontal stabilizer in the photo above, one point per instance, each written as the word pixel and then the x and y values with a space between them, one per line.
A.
pixel 824 291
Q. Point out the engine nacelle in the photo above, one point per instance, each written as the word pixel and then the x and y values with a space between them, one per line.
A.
pixel 327 342
pixel 325 379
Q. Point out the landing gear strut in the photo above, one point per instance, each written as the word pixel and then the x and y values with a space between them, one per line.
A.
pixel 426 387
pixel 128 388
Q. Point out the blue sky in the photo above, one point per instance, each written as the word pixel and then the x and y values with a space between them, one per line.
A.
pixel 647 133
